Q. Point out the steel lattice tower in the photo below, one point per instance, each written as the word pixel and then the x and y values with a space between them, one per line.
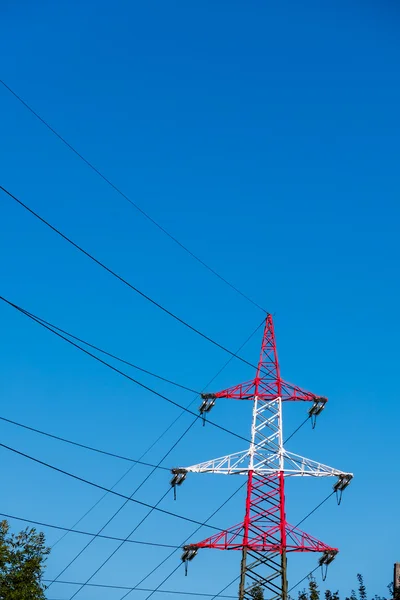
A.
pixel 264 537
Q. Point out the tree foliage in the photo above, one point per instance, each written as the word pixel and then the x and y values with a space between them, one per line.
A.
pixel 313 592
pixel 22 560
pixel 394 592
pixel 362 591
pixel 313 589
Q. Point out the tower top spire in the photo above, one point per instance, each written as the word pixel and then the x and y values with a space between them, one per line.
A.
pixel 267 383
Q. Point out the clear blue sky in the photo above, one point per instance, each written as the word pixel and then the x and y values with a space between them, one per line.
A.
pixel 265 136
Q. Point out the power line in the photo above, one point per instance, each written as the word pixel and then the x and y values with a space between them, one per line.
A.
pixel 301 580
pixel 163 433
pixel 118 358
pixel 122 280
pixel 184 542
pixel 101 487
pixel 174 445
pixel 106 493
pixel 314 509
pixel 219 595
pixel 138 208
pixel 105 452
pixel 297 429
pixel 121 587
pixel 88 533
pixel 160 584
pixel 142 520
pixel 116 370
pixel 118 547
pixel 220 507
pixel 98 450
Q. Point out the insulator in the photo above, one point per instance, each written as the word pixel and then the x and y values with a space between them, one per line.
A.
pixel 189 552
pixel 318 406
pixel 179 476
pixel 316 409
pixel 325 560
pixel 342 482
pixel 327 557
pixel 206 405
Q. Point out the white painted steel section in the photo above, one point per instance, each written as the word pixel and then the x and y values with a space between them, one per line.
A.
pixel 281 451
pixel 253 434
pixel 266 454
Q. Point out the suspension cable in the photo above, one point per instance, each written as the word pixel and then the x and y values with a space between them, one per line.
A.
pixel 134 204
pixel 123 280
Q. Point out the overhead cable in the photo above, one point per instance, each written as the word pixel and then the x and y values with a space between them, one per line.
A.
pixel 153 444
pixel 215 512
pixel 116 370
pixel 139 524
pixel 134 204
pixel 184 409
pixel 301 580
pixel 182 544
pixel 87 533
pixel 113 553
pixel 122 587
pixel 120 508
pixel 101 487
pixel 122 279
pixel 86 447
pixel 109 354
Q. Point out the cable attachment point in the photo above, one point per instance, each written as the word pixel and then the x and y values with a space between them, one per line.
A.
pixel 206 405
pixel 189 552
pixel 325 560
pixel 342 483
pixel 179 476
pixel 316 409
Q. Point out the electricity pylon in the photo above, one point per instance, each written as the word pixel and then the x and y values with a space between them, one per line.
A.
pixel 264 536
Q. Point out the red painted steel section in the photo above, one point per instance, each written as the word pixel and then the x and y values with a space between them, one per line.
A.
pixel 265 530
pixel 248 508
pixel 282 508
pixel 268 384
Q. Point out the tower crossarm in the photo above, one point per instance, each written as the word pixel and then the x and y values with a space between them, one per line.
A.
pixel 235 464
pixel 264 539
pixel 291 392
pixel 228 465
pixel 266 389
pixel 296 465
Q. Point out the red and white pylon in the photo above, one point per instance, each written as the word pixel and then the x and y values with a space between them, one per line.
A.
pixel 265 536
